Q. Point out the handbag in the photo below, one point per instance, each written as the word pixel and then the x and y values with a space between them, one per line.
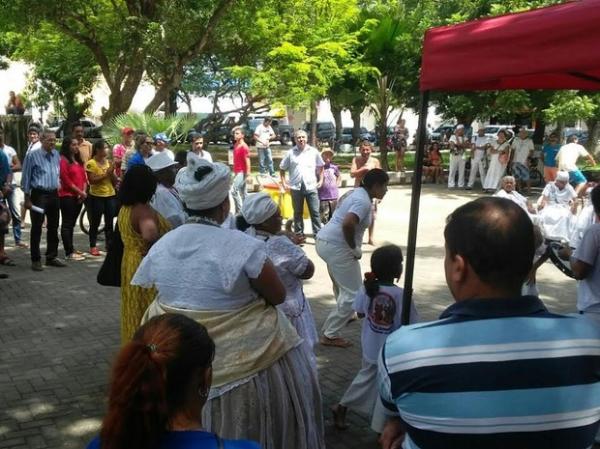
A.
pixel 110 272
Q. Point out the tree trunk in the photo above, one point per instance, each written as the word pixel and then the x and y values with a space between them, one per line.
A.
pixel 171 104
pixel 336 110
pixel 593 126
pixel 313 123
pixel 355 114
pixel 383 147
pixel 540 130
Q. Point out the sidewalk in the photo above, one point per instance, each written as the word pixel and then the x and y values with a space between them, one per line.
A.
pixel 60 330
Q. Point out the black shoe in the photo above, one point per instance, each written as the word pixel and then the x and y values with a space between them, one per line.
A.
pixel 37 266
pixel 468 188
pixel 56 262
pixel 3 276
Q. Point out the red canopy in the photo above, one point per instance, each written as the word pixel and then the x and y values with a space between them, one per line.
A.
pixel 557 47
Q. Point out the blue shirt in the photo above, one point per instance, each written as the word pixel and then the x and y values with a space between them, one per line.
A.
pixel 136 159
pixel 4 167
pixel 191 439
pixel 550 152
pixel 495 373
pixel 40 170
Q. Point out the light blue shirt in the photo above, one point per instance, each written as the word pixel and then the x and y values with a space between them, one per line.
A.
pixel 303 166
pixel 41 170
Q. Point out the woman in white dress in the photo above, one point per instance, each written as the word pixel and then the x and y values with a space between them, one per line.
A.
pixel 499 156
pixel 263 388
pixel 261 218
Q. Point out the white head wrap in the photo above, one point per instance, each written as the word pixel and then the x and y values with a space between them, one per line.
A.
pixel 202 185
pixel 562 176
pixel 258 208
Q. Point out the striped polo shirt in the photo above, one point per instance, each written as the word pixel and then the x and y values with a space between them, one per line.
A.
pixel 495 373
pixel 41 170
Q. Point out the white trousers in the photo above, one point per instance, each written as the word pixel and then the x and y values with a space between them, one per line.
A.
pixel 344 271
pixel 457 163
pixel 477 165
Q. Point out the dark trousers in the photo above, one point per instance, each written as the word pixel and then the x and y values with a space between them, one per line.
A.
pixel 70 208
pixel 97 207
pixel 49 202
pixel 312 199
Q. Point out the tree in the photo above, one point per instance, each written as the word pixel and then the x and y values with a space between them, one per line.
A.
pixel 127 38
pixel 61 73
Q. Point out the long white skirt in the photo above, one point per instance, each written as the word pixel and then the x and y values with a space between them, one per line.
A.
pixel 557 221
pixel 304 322
pixel 280 407
pixel 494 175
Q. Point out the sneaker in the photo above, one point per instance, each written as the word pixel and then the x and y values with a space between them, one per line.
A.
pixel 94 251
pixel 37 266
pixel 56 262
pixel 79 253
pixel 75 256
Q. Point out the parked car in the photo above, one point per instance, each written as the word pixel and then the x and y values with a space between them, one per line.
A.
pixel 364 135
pixel 582 136
pixel 442 132
pixel 91 131
pixel 283 132
pixel 325 131
pixel 491 131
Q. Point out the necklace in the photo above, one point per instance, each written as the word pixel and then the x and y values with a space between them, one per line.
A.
pixel 202 220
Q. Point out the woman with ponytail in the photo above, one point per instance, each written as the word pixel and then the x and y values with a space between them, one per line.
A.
pixel 160 382
pixel 379 301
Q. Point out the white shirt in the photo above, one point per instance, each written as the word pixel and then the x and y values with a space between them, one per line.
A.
pixel 264 134
pixel 203 267
pixel 166 150
pixel 10 153
pixel 457 140
pixel 568 154
pixel 515 197
pixel 480 142
pixel 557 196
pixel 167 203
pixel 522 149
pixel 357 202
pixel 302 166
pixel 34 146
pixel 588 289
pixel 205 155
pixel 383 315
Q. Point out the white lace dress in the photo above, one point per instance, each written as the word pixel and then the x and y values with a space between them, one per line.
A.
pixel 496 169
pixel 291 262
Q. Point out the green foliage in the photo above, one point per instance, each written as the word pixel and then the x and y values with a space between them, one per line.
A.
pixel 174 126
pixel 569 105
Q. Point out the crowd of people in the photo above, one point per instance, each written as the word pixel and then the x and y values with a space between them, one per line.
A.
pixel 218 337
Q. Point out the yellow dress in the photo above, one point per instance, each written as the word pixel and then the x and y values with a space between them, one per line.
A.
pixel 134 300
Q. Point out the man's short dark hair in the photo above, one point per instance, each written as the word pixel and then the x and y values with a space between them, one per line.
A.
pixel 375 176
pixel 76 125
pixel 495 236
pixel 595 197
pixel 572 138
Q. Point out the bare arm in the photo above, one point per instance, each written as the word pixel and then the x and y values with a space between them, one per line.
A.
pixel 283 181
pixel 580 269
pixel 268 284
pixel 349 228
pixel 145 222
pixel 15 164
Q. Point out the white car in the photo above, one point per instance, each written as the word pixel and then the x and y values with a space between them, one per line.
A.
pixel 491 131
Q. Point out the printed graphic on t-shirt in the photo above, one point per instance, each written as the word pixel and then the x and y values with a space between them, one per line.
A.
pixel 382 310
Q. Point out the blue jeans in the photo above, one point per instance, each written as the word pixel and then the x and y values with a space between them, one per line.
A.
pixel 312 199
pixel 238 191
pixel 265 161
pixel 15 213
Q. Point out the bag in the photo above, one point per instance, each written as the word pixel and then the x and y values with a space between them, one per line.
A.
pixel 110 271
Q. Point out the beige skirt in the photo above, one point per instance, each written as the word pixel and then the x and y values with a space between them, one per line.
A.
pixel 280 407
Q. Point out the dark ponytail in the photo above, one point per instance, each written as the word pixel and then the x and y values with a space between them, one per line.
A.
pixel 371 284
pixel 386 266
pixel 151 378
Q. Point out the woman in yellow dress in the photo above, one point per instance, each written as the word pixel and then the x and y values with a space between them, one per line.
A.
pixel 140 226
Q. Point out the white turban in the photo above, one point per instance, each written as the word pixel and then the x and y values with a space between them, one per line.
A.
pixel 562 176
pixel 258 208
pixel 202 185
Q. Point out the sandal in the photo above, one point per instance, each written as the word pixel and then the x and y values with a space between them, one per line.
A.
pixel 337 342
pixel 7 262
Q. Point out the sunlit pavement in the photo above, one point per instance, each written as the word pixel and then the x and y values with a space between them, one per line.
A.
pixel 59 330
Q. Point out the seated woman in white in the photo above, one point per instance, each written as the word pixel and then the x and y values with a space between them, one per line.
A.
pixel 558 207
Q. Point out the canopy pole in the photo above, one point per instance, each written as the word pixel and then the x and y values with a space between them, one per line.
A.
pixel 414 207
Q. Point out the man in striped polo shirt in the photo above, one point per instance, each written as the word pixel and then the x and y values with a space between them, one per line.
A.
pixel 498 370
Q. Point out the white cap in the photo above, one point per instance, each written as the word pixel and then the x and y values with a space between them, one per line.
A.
pixel 562 176
pixel 161 160
pixel 460 127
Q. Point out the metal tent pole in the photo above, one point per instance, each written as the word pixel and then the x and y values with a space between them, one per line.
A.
pixel 414 207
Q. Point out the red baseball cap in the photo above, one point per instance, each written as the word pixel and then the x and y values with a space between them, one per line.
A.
pixel 127 131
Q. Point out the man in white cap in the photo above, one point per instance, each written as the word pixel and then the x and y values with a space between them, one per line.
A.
pixel 558 207
pixel 458 146
pixel 479 146
pixel 567 158
pixel 522 147
pixel 160 145
pixel 166 200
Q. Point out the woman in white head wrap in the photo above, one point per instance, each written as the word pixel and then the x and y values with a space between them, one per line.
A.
pixel 224 279
pixel 260 217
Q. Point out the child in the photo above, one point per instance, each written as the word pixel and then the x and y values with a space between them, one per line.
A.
pixel 328 192
pixel 380 302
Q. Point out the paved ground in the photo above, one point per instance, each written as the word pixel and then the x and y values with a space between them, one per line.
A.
pixel 59 331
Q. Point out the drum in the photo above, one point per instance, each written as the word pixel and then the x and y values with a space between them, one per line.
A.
pixel 554 248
